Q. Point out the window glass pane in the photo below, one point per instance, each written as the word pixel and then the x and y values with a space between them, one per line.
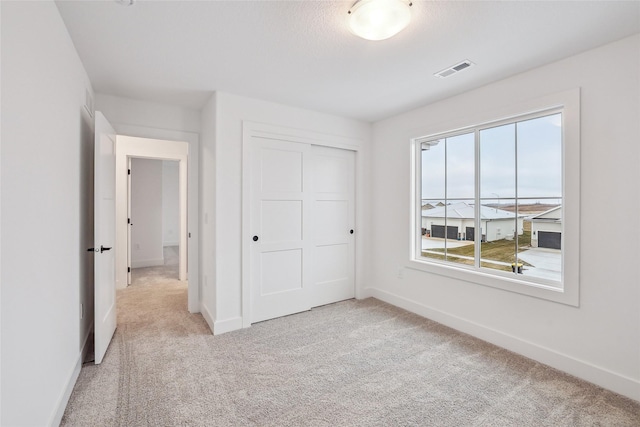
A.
pixel 497 163
pixel 540 158
pixel 497 203
pixel 433 170
pixel 500 226
pixel 519 205
pixel 447 204
pixel 461 167
pixel 540 196
pixel 433 197
pixel 460 197
pixel 460 218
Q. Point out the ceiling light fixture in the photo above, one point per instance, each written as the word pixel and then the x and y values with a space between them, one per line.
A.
pixel 379 19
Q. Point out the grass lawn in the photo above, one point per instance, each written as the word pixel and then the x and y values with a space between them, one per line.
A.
pixel 498 250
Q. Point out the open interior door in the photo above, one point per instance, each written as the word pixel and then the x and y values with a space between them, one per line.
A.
pixel 104 235
pixel 129 224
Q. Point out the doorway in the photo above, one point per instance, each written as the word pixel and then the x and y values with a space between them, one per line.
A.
pixel 185 155
pixel 154 220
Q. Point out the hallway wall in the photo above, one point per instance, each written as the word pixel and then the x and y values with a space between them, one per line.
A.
pixel 46 214
pixel 146 213
pixel 170 203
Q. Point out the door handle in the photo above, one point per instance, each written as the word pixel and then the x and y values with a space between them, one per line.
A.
pixel 102 249
pixel 351 231
pixel 255 238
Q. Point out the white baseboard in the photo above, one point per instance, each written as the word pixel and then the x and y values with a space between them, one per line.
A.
pixel 227 325
pixel 85 345
pixel 147 263
pixel 207 316
pixel 364 293
pixel 603 377
pixel 56 418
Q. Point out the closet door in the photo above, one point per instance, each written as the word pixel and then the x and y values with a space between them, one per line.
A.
pixel 333 222
pixel 301 226
pixel 280 247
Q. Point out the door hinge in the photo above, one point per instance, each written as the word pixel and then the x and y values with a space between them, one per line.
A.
pixel 189 235
pixel 128 269
pixel 128 220
pixel 128 171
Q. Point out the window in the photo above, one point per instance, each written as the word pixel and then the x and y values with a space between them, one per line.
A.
pixel 490 204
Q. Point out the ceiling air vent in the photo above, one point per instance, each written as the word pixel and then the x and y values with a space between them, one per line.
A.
pixel 454 69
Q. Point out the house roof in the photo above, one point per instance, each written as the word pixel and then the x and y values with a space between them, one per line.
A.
pixel 463 210
pixel 551 214
pixel 431 205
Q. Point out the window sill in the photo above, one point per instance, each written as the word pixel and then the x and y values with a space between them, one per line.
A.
pixel 547 292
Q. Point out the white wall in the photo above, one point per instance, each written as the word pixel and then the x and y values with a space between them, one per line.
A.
pixel 0 234
pixel 162 122
pixel 125 111
pixel 170 203
pixel 222 152
pixel 46 215
pixel 600 339
pixel 146 213
pixel 208 194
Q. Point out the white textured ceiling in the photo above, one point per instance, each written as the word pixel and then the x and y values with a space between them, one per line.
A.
pixel 301 53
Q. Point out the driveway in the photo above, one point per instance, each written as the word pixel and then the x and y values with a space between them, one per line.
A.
pixel 547 263
pixel 437 243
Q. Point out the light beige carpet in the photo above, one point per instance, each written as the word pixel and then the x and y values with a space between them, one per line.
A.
pixel 354 363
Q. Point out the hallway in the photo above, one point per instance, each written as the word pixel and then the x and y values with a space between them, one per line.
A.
pixel 144 372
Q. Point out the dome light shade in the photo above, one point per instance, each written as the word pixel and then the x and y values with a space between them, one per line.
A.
pixel 379 19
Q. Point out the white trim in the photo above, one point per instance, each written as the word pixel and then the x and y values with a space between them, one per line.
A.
pixel 365 293
pixel 193 214
pixel 63 400
pixel 61 406
pixel 147 263
pixel 207 316
pixel 85 346
pixel 252 130
pixel 568 291
pixel 602 377
pixel 282 133
pixel 227 325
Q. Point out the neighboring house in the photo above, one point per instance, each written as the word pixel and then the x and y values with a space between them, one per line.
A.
pixel 546 229
pixel 431 205
pixel 495 223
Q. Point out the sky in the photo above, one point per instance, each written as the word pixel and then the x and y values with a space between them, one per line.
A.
pixel 539 160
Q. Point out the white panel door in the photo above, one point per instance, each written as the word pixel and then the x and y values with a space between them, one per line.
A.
pixel 104 235
pixel 129 225
pixel 280 247
pixel 333 219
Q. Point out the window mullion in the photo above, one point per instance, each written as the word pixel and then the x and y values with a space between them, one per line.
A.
pixel 446 210
pixel 417 164
pixel 477 220
pixel 516 196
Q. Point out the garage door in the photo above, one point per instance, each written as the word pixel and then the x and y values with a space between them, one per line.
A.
pixel 438 231
pixel 549 239
pixel 470 233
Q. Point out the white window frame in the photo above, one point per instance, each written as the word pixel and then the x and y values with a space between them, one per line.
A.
pixel 567 291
